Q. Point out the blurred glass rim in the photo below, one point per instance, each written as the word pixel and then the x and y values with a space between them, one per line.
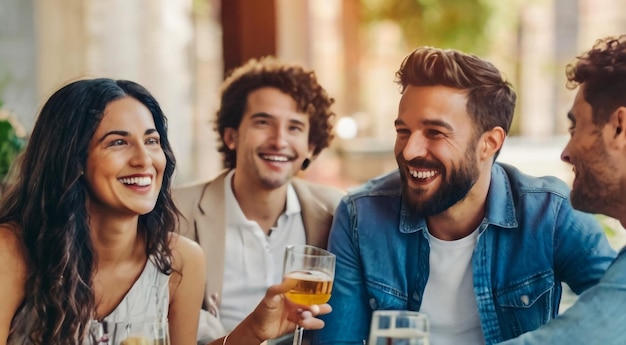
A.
pixel 308 250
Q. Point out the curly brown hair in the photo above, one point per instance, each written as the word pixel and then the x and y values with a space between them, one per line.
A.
pixel 294 80
pixel 602 70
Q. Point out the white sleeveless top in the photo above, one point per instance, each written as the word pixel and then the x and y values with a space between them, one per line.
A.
pixel 147 300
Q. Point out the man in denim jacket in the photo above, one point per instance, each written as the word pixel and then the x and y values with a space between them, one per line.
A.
pixel 597 151
pixel 478 246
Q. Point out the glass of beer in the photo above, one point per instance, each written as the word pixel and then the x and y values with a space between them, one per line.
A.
pixel 313 270
pixel 399 327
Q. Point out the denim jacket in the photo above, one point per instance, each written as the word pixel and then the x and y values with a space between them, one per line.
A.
pixel 529 241
pixel 597 317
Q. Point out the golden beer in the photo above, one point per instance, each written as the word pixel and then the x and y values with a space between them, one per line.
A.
pixel 312 287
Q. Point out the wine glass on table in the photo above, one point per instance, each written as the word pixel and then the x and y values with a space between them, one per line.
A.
pixel 399 327
pixel 129 333
pixel 313 270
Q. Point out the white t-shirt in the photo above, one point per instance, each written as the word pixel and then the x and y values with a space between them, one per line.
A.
pixel 449 299
pixel 254 261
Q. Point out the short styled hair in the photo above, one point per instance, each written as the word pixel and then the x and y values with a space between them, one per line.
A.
pixel 490 98
pixel 294 80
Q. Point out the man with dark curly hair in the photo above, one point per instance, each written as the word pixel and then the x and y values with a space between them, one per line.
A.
pixel 274 120
pixel 597 152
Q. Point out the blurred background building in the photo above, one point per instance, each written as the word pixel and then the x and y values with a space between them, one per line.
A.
pixel 181 50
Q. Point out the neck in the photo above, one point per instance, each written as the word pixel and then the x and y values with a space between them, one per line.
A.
pixel 465 216
pixel 259 204
pixel 116 239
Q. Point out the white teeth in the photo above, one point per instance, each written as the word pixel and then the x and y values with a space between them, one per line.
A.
pixel 140 181
pixel 275 158
pixel 422 174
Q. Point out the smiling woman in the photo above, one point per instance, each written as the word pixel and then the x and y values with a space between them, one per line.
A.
pixel 89 225
pixel 126 163
pixel 89 230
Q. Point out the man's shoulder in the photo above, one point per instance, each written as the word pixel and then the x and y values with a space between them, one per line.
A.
pixel 326 194
pixel 523 183
pixel 386 185
pixel 197 187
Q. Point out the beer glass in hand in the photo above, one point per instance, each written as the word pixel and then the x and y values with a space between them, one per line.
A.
pixel 313 269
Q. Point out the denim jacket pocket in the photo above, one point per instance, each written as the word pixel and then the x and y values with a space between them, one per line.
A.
pixel 385 297
pixel 527 305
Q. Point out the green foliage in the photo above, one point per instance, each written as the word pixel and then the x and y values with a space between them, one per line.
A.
pixel 609 225
pixel 10 146
pixel 458 24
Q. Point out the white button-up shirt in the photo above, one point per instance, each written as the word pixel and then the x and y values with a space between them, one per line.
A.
pixel 254 260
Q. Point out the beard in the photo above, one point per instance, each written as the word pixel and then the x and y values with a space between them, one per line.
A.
pixel 595 188
pixel 454 187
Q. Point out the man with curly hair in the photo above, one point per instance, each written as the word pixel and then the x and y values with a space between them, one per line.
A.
pixel 274 120
pixel 597 152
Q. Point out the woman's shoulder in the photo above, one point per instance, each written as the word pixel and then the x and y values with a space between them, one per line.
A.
pixel 188 265
pixel 13 272
pixel 185 251
pixel 11 241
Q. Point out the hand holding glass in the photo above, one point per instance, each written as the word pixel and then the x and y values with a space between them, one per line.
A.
pixel 313 269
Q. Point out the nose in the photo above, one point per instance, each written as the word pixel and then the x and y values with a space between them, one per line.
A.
pixel 415 147
pixel 565 155
pixel 141 156
pixel 279 137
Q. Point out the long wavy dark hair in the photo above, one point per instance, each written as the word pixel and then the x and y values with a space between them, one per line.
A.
pixel 299 83
pixel 47 205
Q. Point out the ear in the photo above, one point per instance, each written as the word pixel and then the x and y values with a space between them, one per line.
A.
pixel 490 142
pixel 230 138
pixel 617 127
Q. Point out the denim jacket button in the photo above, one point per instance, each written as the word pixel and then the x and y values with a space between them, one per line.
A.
pixel 524 299
pixel 373 304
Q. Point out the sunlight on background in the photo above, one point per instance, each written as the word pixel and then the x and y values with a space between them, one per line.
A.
pixel 355 47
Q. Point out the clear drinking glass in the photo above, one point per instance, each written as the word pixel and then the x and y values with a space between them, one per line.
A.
pixel 399 327
pixel 133 333
pixel 314 270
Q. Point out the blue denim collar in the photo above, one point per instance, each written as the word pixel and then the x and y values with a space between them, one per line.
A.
pixel 500 206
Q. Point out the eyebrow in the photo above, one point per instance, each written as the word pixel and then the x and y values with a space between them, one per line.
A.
pixel 124 133
pixel 427 122
pixel 268 116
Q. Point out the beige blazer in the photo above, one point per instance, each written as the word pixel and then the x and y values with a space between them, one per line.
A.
pixel 202 205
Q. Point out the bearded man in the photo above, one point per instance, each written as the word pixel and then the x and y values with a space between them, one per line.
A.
pixel 476 245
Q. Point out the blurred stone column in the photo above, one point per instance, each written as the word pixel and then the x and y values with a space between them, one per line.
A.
pixel 142 40
pixel 293 31
pixel 566 32
pixel 61 36
pixel 208 71
pixel 18 75
pixel 600 18
pixel 537 70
